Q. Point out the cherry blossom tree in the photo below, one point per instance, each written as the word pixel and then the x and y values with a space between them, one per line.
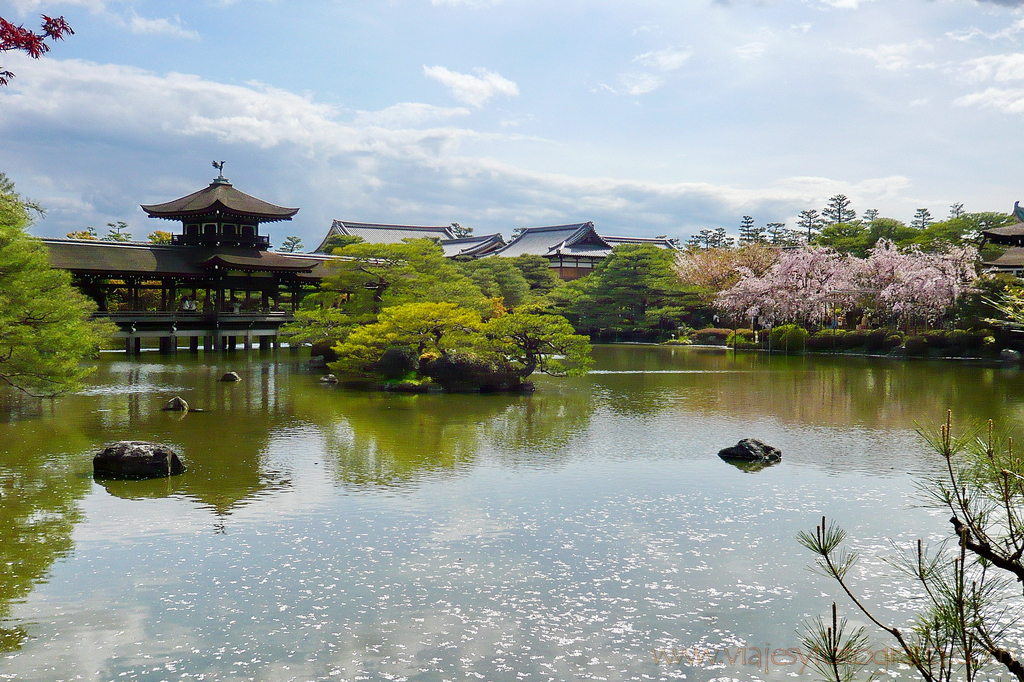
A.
pixel 811 284
pixel 804 286
pixel 21 39
pixel 913 286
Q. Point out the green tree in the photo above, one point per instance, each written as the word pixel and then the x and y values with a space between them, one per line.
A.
pixel 46 328
pixel 922 219
pixel 810 222
pixel 340 241
pixel 291 244
pixel 538 273
pixel 461 231
pixel 116 232
pixel 498 278
pixel 160 237
pixel 871 214
pixel 88 233
pixel 635 287
pixel 956 211
pixel 370 277
pixel 419 327
pixel 846 238
pixel 750 233
pixel 529 342
pixel 838 210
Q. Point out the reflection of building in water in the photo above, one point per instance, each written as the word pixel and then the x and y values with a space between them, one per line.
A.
pixel 223 446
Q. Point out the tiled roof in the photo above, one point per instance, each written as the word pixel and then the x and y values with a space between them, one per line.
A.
pixel 158 260
pixel 374 233
pixel 554 240
pixel 219 196
pixel 1012 258
pixel 660 242
pixel 472 247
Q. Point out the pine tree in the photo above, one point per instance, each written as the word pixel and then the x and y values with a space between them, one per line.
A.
pixel 838 210
pixel 811 222
pixel 956 211
pixel 922 219
pixel 871 215
pixel 116 232
pixel 290 244
pixel 719 239
pixel 46 330
pixel 749 233
pixel 461 231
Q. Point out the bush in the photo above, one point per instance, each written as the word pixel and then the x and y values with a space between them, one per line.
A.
pixel 461 372
pixel 874 340
pixel 916 345
pixel 743 338
pixel 894 340
pixel 821 340
pixel 937 338
pixel 854 339
pixel 789 337
pixel 396 363
pixel 711 336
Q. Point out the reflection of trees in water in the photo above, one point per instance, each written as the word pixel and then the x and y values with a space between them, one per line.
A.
pixel 537 429
pixel 40 487
pixel 812 390
pixel 390 440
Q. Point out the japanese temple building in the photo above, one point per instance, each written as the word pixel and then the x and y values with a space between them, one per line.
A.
pixel 217 280
pixel 1012 260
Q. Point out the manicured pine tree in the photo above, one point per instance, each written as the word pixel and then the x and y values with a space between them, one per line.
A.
pixel 838 210
pixel 922 219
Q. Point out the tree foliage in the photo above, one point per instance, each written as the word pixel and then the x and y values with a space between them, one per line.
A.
pixel 45 326
pixel 530 342
pixel 498 278
pixel 635 287
pixel 709 272
pixel 159 237
pixel 291 244
pixel 20 39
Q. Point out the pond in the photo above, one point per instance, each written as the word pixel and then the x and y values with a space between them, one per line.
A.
pixel 326 534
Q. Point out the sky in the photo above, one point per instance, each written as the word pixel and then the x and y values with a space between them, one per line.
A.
pixel 647 117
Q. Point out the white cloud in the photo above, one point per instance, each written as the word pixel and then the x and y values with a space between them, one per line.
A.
pixel 1010 101
pixel 26 6
pixel 640 83
pixel 174 28
pixel 1000 68
pixel 668 59
pixel 469 89
pixel 408 113
pixel 891 57
pixel 843 4
pixel 751 50
pixel 973 32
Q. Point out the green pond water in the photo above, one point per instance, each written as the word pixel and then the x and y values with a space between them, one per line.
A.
pixel 326 534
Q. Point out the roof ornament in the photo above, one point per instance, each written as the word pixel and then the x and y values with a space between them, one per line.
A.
pixel 220 179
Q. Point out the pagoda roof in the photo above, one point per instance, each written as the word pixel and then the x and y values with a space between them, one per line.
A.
pixel 160 260
pixel 1012 258
pixel 221 197
pixel 557 240
pixel 377 233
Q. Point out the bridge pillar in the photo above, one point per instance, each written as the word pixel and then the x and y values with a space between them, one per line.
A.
pixel 168 345
pixel 138 345
pixel 265 342
pixel 193 344
pixel 247 339
pixel 208 343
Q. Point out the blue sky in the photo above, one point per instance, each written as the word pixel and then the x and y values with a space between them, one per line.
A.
pixel 647 117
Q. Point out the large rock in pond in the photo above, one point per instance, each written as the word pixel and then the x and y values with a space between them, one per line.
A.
pixel 751 450
pixel 231 376
pixel 176 404
pixel 136 459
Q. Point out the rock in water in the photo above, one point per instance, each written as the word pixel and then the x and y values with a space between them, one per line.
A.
pixel 1009 357
pixel 751 450
pixel 328 379
pixel 231 376
pixel 136 459
pixel 176 404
